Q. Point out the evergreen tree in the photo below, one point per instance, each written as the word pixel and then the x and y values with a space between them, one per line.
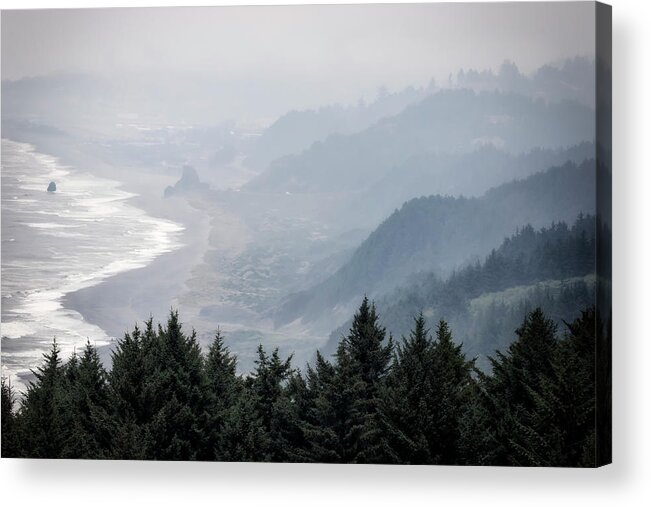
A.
pixel 164 399
pixel 131 409
pixel 87 407
pixel 300 403
pixel 407 398
pixel 244 436
pixel 127 377
pixel 44 432
pixel 507 393
pixel 452 378
pixel 427 394
pixel 269 387
pixel 559 430
pixel 478 443
pixel 10 444
pixel 222 392
pixel 175 387
pixel 363 363
pixel 325 415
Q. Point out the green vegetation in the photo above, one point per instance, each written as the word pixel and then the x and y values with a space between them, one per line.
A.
pixel 484 302
pixel 419 402
pixel 437 234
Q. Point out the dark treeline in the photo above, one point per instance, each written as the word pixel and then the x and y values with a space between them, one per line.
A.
pixel 558 252
pixel 420 401
pixel 490 327
pixel 529 260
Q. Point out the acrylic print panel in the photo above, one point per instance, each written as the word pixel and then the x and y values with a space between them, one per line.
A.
pixel 341 234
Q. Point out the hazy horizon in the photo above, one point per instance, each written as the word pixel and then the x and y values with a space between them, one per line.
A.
pixel 347 52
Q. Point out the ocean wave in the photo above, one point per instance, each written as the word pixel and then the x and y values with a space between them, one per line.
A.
pixel 49 225
pixel 97 234
pixel 16 329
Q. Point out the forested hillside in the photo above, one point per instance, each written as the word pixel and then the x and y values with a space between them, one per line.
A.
pixel 573 80
pixel 552 268
pixel 418 402
pixel 454 121
pixel 469 174
pixel 438 234
pixel 296 131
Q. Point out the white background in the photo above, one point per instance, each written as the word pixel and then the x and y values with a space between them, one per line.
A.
pixel 626 482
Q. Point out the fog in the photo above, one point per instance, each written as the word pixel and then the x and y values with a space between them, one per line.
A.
pixel 258 62
pixel 281 160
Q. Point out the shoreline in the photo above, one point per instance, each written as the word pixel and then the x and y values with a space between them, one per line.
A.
pixel 131 297
pixel 118 302
pixel 125 299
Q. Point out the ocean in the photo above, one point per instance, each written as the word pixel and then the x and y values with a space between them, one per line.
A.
pixel 55 243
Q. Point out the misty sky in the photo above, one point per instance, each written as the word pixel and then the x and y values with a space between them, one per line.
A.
pixel 340 53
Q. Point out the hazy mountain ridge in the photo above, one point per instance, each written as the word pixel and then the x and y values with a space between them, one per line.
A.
pixel 456 121
pixel 552 267
pixel 573 79
pixel 439 234
pixel 296 131
pixel 469 174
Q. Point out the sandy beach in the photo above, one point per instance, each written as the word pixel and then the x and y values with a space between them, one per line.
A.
pixel 117 303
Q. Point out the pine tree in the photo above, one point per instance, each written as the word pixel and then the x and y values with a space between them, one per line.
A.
pixel 164 399
pixel 130 408
pixel 343 409
pixel 408 395
pixel 559 428
pixel 478 443
pixel 363 363
pixel 323 419
pixel 87 407
pixel 426 396
pixel 451 383
pixel 175 387
pixel 507 393
pixel 223 390
pixel 159 392
pixel 10 444
pixel 299 401
pixel 244 436
pixel 42 418
pixel 268 384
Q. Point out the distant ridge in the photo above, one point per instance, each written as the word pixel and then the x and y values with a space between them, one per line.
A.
pixel 439 233
pixel 450 121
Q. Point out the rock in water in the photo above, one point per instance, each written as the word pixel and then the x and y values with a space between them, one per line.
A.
pixel 52 187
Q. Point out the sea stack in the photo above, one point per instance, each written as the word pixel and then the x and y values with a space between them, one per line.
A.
pixel 188 183
pixel 52 187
